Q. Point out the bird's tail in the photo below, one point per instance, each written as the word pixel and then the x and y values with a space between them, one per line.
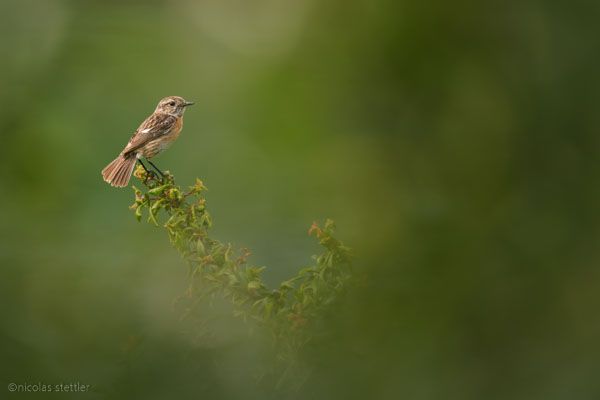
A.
pixel 118 172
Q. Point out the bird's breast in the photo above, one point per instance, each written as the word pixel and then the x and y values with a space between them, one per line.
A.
pixel 160 144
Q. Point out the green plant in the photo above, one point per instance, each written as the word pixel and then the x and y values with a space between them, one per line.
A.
pixel 288 311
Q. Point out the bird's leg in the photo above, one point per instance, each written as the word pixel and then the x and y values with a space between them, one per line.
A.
pixel 156 168
pixel 149 173
pixel 143 166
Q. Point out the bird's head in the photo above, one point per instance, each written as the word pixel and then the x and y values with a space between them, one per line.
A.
pixel 173 105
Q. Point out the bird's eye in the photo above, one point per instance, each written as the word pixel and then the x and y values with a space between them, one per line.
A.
pixel 172 103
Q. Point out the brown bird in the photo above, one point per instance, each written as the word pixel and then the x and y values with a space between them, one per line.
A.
pixel 153 136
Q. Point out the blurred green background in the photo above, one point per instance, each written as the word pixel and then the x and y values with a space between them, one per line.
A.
pixel 454 143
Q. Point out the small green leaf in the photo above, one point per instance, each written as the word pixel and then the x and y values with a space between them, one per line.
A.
pixel 158 189
pixel 289 284
pixel 156 205
pixel 152 218
pixel 254 285
pixel 138 213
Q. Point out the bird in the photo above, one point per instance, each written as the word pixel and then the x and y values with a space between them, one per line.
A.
pixel 153 136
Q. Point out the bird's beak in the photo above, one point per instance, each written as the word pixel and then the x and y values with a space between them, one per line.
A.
pixel 188 103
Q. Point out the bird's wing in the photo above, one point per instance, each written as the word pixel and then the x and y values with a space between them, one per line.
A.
pixel 152 128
